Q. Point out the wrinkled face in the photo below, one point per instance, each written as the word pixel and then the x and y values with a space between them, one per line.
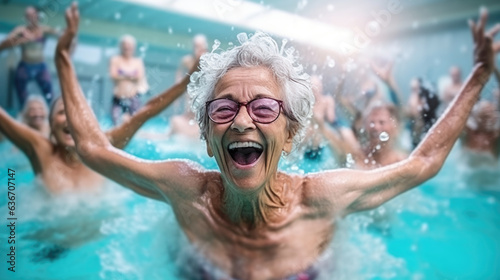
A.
pixel 248 152
pixel 36 114
pixel 378 121
pixel 31 15
pixel 59 126
pixel 127 48
pixel 456 75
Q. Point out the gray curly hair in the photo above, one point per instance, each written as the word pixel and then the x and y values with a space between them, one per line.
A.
pixel 258 50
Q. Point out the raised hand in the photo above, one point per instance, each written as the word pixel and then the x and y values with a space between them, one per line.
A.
pixel 384 73
pixel 484 55
pixel 72 22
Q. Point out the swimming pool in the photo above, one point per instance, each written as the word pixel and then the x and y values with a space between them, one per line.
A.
pixel 448 228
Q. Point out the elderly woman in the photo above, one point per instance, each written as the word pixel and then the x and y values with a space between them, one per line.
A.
pixel 128 75
pixel 35 114
pixel 249 220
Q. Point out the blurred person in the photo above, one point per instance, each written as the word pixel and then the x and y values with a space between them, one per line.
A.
pixel 128 74
pixel 55 160
pixel 35 114
pixel 421 110
pixel 453 88
pixel 31 38
pixel 323 110
pixel 248 220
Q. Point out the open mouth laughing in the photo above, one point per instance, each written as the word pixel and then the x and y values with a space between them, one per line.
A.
pixel 245 154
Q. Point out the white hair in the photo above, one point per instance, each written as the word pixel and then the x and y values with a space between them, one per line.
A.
pixel 33 98
pixel 128 38
pixel 258 50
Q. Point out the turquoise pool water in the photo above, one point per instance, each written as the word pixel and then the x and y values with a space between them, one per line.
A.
pixel 449 228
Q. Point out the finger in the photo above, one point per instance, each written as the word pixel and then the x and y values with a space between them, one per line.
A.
pixel 493 31
pixel 483 17
pixel 472 27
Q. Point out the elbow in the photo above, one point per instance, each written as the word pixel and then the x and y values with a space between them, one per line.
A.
pixel 428 167
pixel 89 152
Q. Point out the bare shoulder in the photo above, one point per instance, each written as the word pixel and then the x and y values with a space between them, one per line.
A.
pixel 184 178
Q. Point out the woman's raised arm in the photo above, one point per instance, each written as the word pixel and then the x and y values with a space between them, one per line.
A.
pixel 145 177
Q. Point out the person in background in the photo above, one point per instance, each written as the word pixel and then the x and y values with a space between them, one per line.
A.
pixel 55 159
pixel 453 88
pixel 31 38
pixel 128 74
pixel 35 114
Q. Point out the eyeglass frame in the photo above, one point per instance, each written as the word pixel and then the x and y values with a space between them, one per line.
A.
pixel 240 104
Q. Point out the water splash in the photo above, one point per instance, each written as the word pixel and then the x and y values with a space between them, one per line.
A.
pixel 349 161
pixel 384 136
pixel 242 38
pixel 216 45
pixel 118 16
pixel 330 62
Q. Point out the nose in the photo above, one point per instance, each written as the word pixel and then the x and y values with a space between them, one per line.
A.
pixel 242 121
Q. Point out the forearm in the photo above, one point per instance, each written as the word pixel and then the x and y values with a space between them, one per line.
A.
pixel 84 125
pixel 442 136
pixel 122 134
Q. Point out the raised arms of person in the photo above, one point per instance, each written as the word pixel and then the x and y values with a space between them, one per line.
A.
pixel 15 38
pixel 159 180
pixel 120 135
pixel 385 74
pixel 24 137
pixel 354 190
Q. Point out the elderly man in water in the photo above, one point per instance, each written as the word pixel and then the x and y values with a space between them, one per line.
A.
pixel 250 220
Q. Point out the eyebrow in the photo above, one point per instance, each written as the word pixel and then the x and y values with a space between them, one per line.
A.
pixel 232 96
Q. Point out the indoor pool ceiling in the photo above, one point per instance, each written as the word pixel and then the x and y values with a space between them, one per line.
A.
pixel 303 20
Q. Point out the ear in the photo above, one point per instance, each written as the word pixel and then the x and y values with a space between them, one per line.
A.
pixel 287 148
pixel 209 150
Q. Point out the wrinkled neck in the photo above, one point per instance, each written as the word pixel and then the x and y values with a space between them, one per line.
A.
pixel 256 208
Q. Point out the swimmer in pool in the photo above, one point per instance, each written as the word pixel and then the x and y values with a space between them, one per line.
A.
pixel 128 75
pixel 35 114
pixel 250 220
pixel 31 37
pixel 323 111
pixel 55 160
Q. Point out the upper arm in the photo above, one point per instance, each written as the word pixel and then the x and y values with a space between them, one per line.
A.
pixel 357 190
pixel 113 67
pixel 156 179
pixel 24 137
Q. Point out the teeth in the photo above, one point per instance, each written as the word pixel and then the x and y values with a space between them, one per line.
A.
pixel 236 145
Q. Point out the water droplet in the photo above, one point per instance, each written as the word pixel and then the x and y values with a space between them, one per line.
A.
pixel 215 45
pixel 349 161
pixel 170 30
pixel 372 125
pixel 424 227
pixel 377 147
pixel 140 15
pixel 330 61
pixel 118 16
pixel 242 37
pixel 232 28
pixel 384 136
pixel 314 67
pixel 374 162
pixel 189 30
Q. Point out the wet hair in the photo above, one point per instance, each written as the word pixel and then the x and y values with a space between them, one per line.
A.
pixel 32 98
pixel 258 50
pixel 431 104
